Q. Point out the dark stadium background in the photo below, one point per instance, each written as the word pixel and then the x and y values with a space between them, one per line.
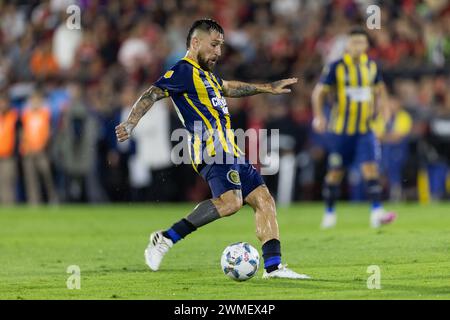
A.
pixel 91 76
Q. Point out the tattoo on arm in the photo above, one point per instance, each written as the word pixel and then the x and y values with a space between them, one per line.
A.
pixel 144 103
pixel 237 89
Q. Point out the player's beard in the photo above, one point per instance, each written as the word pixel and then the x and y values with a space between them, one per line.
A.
pixel 205 64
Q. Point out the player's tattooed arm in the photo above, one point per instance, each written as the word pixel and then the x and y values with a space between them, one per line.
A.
pixel 236 89
pixel 139 109
pixel 144 103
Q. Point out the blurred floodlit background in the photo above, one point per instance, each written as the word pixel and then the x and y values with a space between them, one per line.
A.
pixel 65 88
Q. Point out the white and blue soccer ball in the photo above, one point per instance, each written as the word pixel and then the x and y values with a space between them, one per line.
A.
pixel 240 261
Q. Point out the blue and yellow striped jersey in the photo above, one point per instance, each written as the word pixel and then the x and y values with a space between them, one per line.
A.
pixel 353 83
pixel 198 99
pixel 400 123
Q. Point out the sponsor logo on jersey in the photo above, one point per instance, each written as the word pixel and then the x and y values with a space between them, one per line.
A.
pixel 219 102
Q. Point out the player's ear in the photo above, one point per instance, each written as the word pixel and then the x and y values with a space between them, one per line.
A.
pixel 195 42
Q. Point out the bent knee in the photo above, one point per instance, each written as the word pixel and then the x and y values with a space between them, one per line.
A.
pixel 370 171
pixel 334 176
pixel 231 206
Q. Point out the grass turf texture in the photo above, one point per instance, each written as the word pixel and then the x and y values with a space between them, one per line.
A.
pixel 107 243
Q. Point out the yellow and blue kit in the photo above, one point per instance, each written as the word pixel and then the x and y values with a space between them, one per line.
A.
pixel 350 136
pixel 198 98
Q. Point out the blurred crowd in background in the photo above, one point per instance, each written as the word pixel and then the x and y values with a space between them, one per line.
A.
pixel 63 90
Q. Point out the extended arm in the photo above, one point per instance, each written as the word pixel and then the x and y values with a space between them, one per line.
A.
pixel 236 89
pixel 139 109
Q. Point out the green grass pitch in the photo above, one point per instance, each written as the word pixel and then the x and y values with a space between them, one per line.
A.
pixel 107 243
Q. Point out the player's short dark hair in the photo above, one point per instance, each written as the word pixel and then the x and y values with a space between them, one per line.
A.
pixel 206 25
pixel 358 31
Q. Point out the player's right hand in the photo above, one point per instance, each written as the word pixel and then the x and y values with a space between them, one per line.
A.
pixel 123 131
pixel 319 124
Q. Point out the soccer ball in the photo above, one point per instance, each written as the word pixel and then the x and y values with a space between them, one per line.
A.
pixel 240 261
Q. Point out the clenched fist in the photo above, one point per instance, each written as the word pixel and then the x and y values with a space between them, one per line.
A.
pixel 123 131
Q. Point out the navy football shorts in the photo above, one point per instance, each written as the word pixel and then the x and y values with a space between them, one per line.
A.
pixel 225 177
pixel 347 149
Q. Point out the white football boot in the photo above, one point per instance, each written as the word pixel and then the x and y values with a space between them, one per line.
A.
pixel 157 248
pixel 379 217
pixel 284 273
pixel 328 221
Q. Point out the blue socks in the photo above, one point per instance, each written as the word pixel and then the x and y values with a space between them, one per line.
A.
pixel 330 194
pixel 374 193
pixel 179 230
pixel 271 254
pixel 204 213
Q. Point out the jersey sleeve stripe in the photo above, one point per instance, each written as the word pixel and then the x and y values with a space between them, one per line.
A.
pixel 342 99
pixel 353 107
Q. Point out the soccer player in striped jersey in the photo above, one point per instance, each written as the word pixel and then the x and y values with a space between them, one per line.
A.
pixel 198 96
pixel 358 88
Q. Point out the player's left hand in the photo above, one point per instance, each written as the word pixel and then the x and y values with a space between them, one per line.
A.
pixel 278 87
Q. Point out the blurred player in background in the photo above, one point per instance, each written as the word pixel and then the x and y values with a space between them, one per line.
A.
pixel 393 134
pixel 355 81
pixel 198 96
